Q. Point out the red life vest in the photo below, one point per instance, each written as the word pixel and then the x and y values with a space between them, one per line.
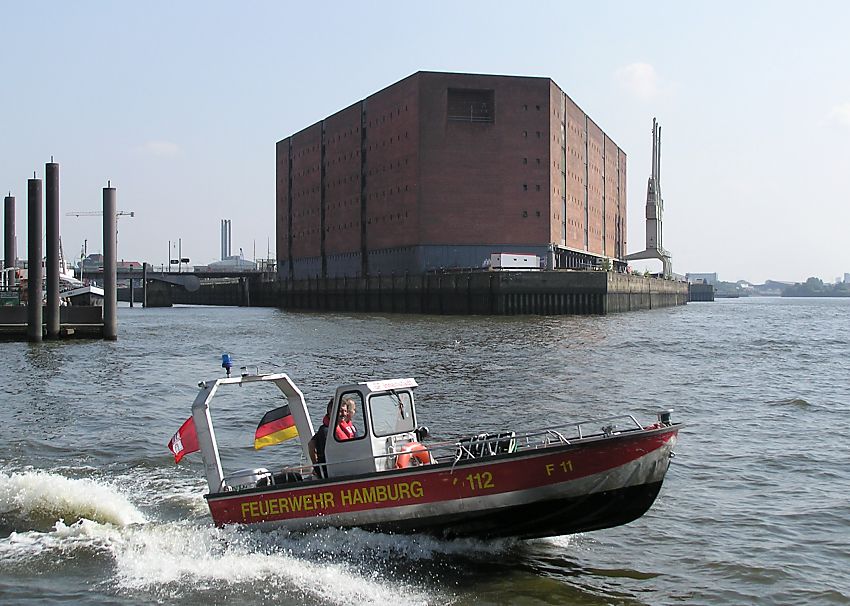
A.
pixel 345 431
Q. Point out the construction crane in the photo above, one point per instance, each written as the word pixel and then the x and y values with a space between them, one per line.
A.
pixel 98 213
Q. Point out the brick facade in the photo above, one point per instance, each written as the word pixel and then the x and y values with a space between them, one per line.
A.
pixel 439 170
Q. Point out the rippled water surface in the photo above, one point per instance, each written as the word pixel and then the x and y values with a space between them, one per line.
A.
pixel 755 509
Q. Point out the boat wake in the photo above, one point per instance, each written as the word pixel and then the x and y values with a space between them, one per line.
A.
pixel 36 500
pixel 171 561
pixel 52 522
pixel 42 551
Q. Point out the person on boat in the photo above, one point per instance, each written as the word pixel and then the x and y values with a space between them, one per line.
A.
pixel 316 445
pixel 345 429
pixel 352 410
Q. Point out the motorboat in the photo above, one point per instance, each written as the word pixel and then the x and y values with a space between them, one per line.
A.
pixel 390 477
pixel 72 291
pixel 77 292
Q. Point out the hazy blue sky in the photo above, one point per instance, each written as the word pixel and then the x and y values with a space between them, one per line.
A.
pixel 180 105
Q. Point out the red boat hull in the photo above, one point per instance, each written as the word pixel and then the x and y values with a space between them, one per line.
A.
pixel 562 489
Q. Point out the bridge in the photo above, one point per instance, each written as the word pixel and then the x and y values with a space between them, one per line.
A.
pixel 154 286
pixel 152 273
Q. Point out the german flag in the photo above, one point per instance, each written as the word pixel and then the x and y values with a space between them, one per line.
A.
pixel 276 426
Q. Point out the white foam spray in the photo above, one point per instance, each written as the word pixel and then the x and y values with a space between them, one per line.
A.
pixel 40 497
pixel 180 558
pixel 57 519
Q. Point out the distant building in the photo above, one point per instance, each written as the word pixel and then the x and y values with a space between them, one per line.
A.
pixel 694 278
pixel 440 170
pixel 94 262
pixel 232 263
pixel 771 288
pixel 847 278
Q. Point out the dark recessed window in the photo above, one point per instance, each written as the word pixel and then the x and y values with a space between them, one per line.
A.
pixel 470 105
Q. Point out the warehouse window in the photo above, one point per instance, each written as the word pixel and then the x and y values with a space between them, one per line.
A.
pixel 470 105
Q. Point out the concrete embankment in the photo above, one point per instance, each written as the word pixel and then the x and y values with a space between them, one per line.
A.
pixel 479 292
pixel 225 292
pixel 700 292
pixel 74 322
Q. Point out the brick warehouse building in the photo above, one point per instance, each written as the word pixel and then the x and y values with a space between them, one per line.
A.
pixel 441 169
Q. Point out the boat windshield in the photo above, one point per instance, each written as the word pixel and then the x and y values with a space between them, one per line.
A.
pixel 391 413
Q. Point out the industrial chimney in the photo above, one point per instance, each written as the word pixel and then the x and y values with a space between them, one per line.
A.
pixel 225 239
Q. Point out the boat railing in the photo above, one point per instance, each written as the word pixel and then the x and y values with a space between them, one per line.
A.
pixel 612 425
pixel 484 445
pixel 561 434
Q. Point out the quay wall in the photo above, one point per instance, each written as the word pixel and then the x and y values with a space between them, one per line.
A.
pixel 74 321
pixel 700 292
pixel 231 292
pixel 465 293
pixel 472 293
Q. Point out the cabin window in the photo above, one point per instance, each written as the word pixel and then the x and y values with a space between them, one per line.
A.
pixel 349 424
pixel 391 413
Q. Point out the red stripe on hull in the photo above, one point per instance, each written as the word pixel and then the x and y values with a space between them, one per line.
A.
pixel 551 472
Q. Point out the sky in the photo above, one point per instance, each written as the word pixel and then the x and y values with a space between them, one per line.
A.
pixel 179 105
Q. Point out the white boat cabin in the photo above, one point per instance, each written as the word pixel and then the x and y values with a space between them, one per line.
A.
pixel 384 421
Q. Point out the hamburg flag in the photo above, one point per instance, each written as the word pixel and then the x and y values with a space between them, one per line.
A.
pixel 276 426
pixel 184 441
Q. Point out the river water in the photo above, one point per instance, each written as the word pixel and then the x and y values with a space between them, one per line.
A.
pixel 755 508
